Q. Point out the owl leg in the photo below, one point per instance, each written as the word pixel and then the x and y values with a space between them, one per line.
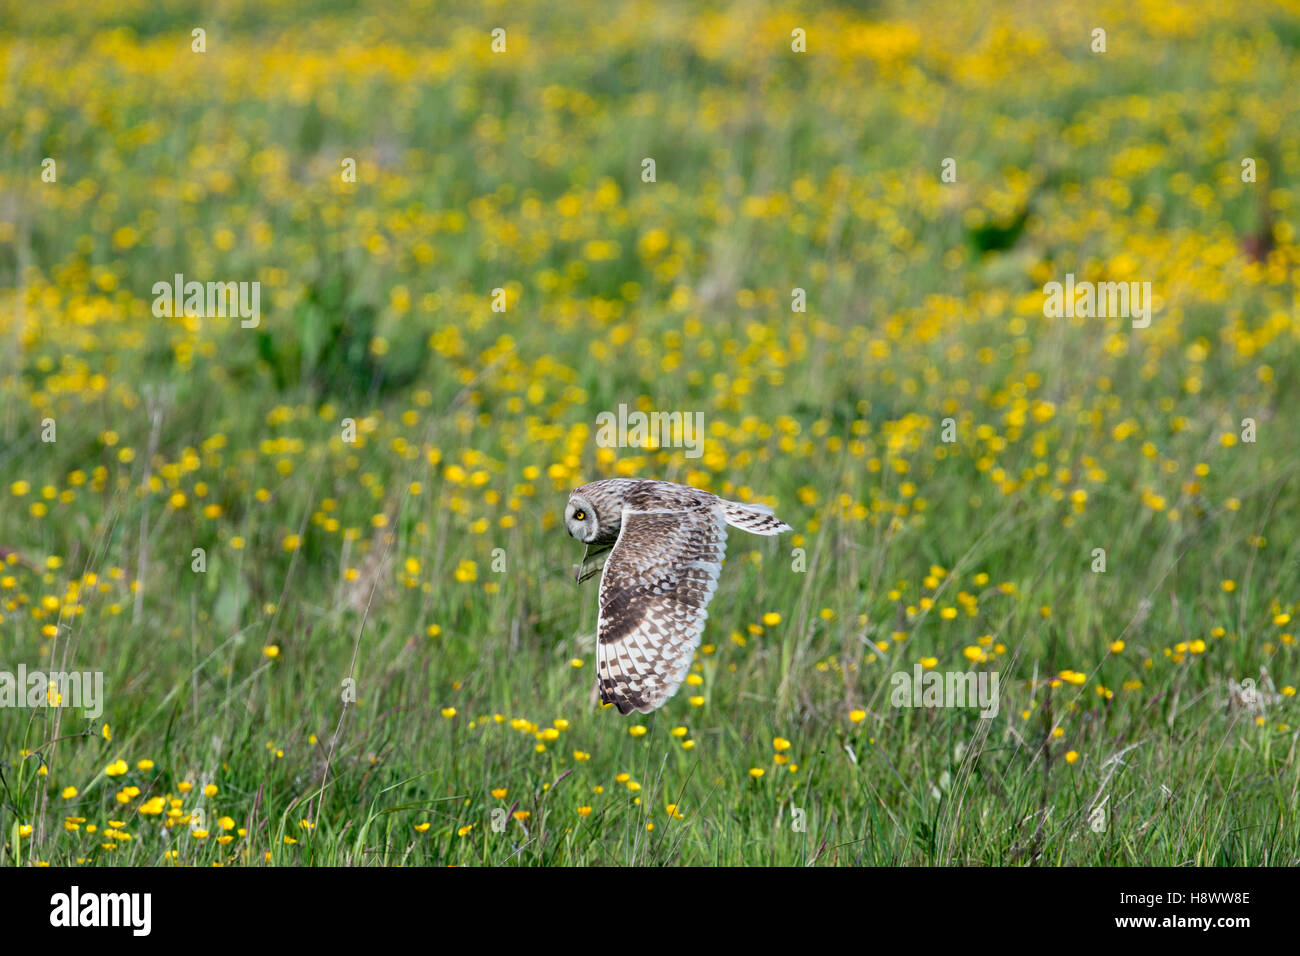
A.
pixel 579 574
pixel 588 575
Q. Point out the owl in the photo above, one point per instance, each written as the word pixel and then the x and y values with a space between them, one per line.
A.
pixel 665 544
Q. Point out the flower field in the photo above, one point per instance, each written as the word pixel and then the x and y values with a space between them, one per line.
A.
pixel 316 549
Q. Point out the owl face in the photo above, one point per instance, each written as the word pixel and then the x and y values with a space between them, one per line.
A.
pixel 580 519
pixel 595 511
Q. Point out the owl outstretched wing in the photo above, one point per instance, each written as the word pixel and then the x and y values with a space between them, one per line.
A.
pixel 654 595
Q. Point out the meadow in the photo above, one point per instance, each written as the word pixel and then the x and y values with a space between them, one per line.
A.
pixel 319 558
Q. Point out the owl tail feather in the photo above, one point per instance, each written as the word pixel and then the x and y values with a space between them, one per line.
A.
pixel 756 519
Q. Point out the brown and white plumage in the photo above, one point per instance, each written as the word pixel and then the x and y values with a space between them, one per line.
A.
pixel 668 543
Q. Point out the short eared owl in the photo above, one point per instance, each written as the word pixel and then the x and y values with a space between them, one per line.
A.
pixel 668 541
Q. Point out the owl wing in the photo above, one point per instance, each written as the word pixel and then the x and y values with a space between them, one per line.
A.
pixel 654 595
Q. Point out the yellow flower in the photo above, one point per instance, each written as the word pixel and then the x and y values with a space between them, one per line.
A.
pixel 771 618
pixel 116 768
pixel 449 712
pixel 756 772
pixel 779 744
pixel 584 811
pixel 68 793
pixel 637 730
pixel 857 716
pixel 1071 756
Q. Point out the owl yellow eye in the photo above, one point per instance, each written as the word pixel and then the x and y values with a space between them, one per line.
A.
pixel 579 515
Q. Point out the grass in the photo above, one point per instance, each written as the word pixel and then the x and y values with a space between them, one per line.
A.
pixel 320 562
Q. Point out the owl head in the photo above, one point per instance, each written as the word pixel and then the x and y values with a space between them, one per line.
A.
pixel 580 519
pixel 594 512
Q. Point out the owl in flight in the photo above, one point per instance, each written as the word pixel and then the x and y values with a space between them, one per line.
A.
pixel 665 543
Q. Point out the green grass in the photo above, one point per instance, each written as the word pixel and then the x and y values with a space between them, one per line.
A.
pixel 775 172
